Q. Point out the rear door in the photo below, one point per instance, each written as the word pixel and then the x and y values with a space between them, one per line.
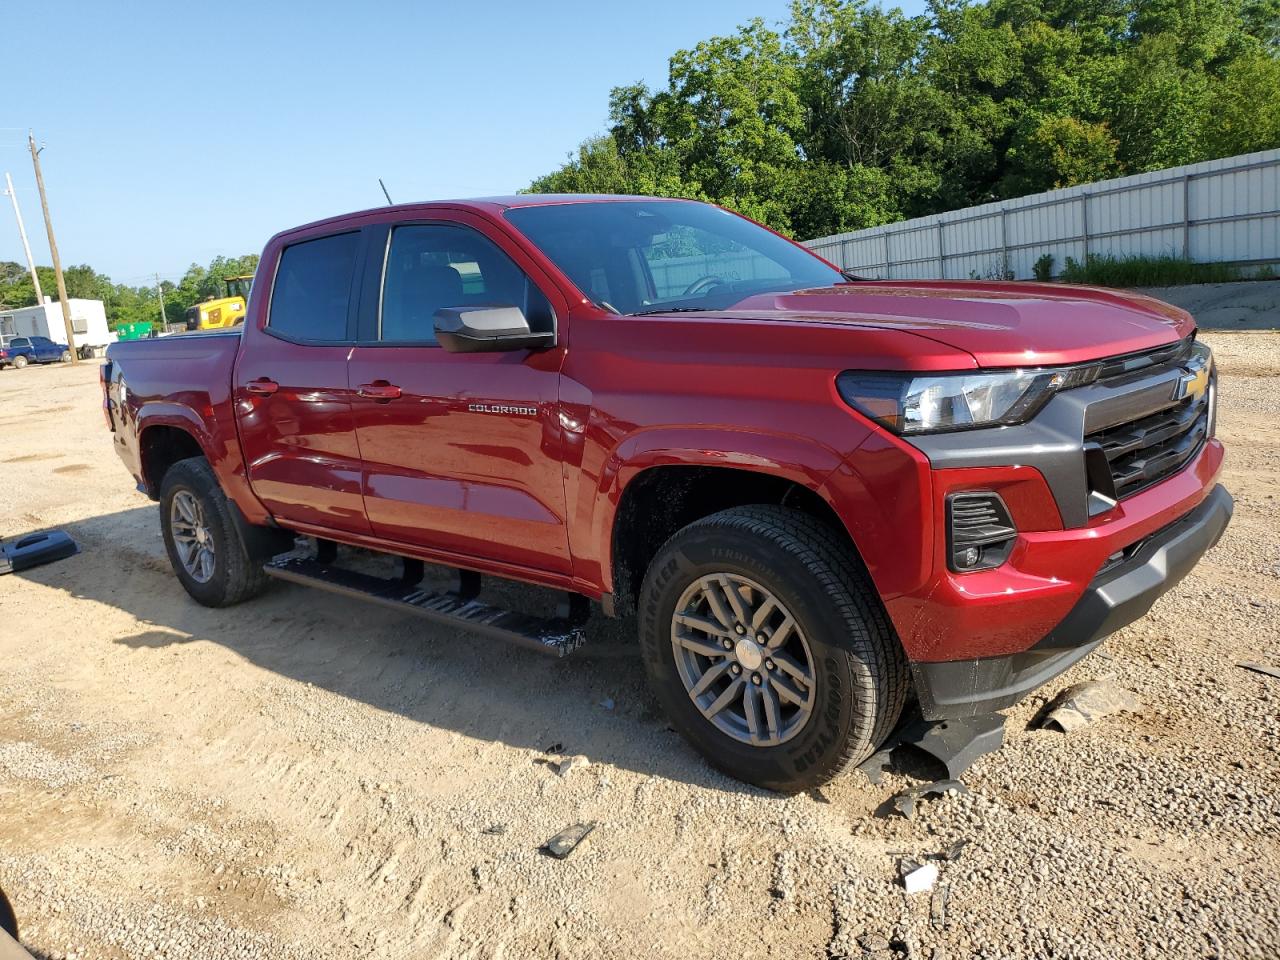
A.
pixel 293 405
pixel 462 451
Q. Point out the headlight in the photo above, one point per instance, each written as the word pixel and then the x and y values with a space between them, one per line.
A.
pixel 912 403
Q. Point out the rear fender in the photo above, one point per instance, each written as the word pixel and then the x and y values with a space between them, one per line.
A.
pixel 222 452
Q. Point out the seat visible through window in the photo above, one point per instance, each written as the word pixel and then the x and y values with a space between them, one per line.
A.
pixel 431 266
pixel 423 289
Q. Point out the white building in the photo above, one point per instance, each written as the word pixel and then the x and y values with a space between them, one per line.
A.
pixel 88 321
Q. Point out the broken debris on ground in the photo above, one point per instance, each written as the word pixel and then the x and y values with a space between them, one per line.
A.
pixel 567 840
pixel 1083 703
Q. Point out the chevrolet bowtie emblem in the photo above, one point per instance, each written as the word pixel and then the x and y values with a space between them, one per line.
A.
pixel 1193 384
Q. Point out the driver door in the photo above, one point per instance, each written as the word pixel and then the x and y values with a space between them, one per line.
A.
pixel 461 451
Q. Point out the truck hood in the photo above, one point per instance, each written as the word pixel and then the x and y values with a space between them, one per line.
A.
pixel 998 324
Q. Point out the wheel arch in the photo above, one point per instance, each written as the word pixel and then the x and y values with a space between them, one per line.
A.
pixel 164 438
pixel 658 498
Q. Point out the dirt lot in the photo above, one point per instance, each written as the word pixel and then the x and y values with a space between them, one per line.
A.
pixel 305 777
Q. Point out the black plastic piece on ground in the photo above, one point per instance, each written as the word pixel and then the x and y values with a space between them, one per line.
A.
pixel 36 549
pixel 956 744
pixel 555 636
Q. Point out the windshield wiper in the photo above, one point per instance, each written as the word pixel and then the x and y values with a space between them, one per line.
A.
pixel 646 313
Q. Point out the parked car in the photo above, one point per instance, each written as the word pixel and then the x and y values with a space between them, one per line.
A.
pixel 820 495
pixel 17 352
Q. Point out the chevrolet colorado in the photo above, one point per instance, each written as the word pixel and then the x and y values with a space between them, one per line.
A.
pixel 819 496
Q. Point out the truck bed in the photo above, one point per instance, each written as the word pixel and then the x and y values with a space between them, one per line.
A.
pixel 181 381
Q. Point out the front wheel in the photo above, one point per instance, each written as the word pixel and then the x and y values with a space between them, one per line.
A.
pixel 768 647
pixel 205 546
pixel 66 356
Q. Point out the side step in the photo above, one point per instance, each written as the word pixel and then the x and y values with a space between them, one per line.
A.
pixel 557 636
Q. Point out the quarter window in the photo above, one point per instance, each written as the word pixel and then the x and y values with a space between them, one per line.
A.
pixel 312 291
pixel 431 266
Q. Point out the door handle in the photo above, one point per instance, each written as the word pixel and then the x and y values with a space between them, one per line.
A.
pixel 379 390
pixel 262 387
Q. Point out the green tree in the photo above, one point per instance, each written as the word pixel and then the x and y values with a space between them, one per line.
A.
pixel 853 114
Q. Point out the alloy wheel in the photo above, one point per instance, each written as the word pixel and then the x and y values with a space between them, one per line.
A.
pixel 743 659
pixel 191 536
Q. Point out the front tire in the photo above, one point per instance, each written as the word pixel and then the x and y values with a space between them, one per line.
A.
pixel 768 648
pixel 205 546
pixel 66 357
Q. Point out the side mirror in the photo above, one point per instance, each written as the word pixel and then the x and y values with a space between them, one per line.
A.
pixel 485 329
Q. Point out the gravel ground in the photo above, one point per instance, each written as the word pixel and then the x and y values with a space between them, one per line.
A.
pixel 301 777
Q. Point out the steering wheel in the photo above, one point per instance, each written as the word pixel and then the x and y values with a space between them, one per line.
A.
pixel 701 284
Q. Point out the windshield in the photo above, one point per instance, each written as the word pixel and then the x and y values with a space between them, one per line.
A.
pixel 661 255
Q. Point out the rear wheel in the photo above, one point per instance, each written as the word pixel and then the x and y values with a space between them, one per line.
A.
pixel 768 647
pixel 19 362
pixel 205 546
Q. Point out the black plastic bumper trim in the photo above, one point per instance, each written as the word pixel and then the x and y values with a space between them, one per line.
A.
pixel 1115 599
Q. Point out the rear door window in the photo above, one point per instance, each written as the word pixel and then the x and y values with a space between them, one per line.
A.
pixel 311 297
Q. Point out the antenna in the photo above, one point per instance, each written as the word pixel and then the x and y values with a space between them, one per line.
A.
pixel 384 192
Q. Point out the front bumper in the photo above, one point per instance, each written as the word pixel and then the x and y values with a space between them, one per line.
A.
pixel 1118 596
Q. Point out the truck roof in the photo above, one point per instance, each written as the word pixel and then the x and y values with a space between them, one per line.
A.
pixel 491 205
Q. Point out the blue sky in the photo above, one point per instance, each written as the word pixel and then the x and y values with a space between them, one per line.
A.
pixel 175 133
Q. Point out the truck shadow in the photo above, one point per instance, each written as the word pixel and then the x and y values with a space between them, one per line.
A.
pixel 594 702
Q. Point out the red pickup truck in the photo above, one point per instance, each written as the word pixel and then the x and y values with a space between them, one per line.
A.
pixel 821 496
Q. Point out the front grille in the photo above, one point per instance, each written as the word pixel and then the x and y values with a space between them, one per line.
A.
pixel 1144 452
pixel 1140 364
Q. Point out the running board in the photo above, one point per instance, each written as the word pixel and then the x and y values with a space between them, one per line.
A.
pixel 558 636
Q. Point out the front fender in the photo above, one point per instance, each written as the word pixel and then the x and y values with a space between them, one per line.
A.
pixel 803 461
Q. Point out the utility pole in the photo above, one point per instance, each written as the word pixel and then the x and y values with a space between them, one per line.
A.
pixel 160 296
pixel 53 250
pixel 22 232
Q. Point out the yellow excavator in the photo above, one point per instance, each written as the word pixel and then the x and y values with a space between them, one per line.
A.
pixel 218 313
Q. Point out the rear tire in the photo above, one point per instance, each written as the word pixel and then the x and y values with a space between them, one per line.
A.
pixel 230 571
pixel 19 362
pixel 798 569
